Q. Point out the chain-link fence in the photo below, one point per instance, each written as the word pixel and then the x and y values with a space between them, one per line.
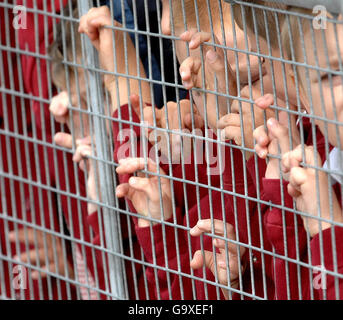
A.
pixel 171 149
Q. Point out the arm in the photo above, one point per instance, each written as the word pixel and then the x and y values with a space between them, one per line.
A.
pixel 95 24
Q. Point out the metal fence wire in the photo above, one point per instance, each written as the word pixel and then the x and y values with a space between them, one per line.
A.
pixel 171 150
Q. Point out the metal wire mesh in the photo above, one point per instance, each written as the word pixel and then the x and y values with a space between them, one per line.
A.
pixel 102 192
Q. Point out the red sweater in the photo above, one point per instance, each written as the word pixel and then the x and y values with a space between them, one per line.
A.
pixel 292 279
pixel 19 159
pixel 55 168
pixel 171 246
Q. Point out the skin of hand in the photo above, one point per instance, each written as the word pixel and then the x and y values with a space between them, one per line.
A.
pixel 159 138
pixel 83 151
pixel 41 254
pixel 304 182
pixel 230 124
pixel 234 254
pixel 214 72
pixel 60 111
pixel 277 136
pixel 95 25
pixel 143 191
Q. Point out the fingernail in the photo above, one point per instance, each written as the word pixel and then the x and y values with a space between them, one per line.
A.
pixel 259 100
pixel 183 74
pixel 212 56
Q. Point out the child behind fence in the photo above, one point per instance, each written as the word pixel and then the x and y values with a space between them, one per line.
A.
pixel 298 232
pixel 72 82
pixel 174 253
pixel 321 94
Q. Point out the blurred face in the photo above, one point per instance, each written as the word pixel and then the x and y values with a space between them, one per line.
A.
pixel 326 88
pixel 276 72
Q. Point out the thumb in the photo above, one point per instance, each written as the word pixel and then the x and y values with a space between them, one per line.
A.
pixel 199 260
pixel 64 140
pixel 265 101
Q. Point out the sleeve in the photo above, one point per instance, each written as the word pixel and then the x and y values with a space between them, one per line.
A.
pixel 288 238
pixel 166 247
pixel 327 258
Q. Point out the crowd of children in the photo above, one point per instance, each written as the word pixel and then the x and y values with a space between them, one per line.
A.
pixel 248 207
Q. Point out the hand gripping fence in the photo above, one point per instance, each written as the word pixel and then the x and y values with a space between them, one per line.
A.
pixel 195 175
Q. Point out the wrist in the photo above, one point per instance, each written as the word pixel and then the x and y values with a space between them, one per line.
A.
pixel 272 171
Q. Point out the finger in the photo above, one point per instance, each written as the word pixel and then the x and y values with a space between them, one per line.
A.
pixel 144 185
pixel 232 133
pixel 265 101
pixel 293 191
pixel 199 38
pixel 95 19
pixel 230 119
pixel 84 141
pixel 280 132
pixel 26 235
pixel 59 107
pixel 261 136
pixel 231 247
pixel 195 38
pixel 122 190
pixel 189 72
pixel 203 226
pixel 82 151
pixel 187 35
pixel 199 260
pixel 298 177
pixel 64 140
pixel 295 157
pixel 33 257
pixel 131 165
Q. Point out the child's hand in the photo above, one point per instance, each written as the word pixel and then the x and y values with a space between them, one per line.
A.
pixel 173 110
pixel 41 253
pixel 143 191
pixel 79 122
pixel 215 77
pixel 95 25
pixel 59 107
pixel 304 187
pixel 234 253
pixel 251 117
pixel 84 150
pixel 278 136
